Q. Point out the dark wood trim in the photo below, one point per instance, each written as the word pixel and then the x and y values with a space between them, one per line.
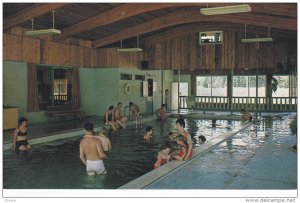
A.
pixel 29 13
pixel 117 14
pixel 189 16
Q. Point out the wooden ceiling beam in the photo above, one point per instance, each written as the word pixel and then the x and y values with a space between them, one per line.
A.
pixel 29 13
pixel 280 9
pixel 190 16
pixel 117 14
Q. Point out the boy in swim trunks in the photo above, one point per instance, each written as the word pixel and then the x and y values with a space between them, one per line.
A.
pixel 91 152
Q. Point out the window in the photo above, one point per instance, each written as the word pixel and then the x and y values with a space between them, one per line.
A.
pixel 245 86
pixel 282 87
pixel 212 86
pixel 140 77
pixel 54 86
pixel 124 76
pixel 212 37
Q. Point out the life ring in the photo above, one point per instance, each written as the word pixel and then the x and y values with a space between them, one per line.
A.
pixel 127 89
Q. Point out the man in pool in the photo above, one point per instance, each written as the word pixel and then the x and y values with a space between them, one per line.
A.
pixel 91 152
pixel 246 116
pixel 135 109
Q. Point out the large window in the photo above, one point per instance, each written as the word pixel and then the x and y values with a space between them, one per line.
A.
pixel 212 86
pixel 54 86
pixel 245 86
pixel 282 87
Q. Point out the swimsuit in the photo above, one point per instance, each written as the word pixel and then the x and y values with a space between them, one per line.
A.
pixel 21 142
pixel 95 166
pixel 181 153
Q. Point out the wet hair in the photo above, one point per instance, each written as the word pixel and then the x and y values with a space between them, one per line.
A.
pixel 88 126
pixel 103 130
pixel 119 103
pixel 171 133
pixel 166 145
pixel 183 139
pixel 149 128
pixel 181 122
pixel 202 138
pixel 162 105
pixel 130 103
pixel 111 107
pixel 242 110
pixel 214 121
pixel 21 120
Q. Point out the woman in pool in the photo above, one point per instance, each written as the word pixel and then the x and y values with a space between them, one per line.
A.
pixel 20 136
pixel 180 125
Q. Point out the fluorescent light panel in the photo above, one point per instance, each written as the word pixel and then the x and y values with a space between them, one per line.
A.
pixel 130 50
pixel 266 39
pixel 226 9
pixel 42 32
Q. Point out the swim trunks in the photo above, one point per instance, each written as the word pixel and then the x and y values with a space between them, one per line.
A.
pixel 95 166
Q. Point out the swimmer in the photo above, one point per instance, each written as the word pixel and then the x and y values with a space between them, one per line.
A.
pixel 246 116
pixel 118 115
pixel 105 142
pixel 20 142
pixel 109 118
pixel 161 112
pixel 91 152
pixel 135 109
pixel 201 139
pixel 149 133
pixel 163 156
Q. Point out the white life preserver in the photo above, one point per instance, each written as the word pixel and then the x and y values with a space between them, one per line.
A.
pixel 127 89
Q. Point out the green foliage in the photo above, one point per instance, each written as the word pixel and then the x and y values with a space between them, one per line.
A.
pixel 293 126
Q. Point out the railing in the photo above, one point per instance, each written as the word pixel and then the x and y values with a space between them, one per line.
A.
pixel 237 103
pixel 61 97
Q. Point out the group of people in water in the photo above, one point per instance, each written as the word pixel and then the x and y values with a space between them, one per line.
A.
pixel 96 147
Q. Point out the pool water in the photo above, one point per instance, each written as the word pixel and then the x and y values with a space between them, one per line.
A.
pixel 219 168
pixel 56 165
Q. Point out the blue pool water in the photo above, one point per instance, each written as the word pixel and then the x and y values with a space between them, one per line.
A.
pixel 56 165
pixel 224 166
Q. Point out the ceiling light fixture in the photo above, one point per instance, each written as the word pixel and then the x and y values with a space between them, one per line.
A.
pixel 133 49
pixel 261 39
pixel 226 10
pixel 43 31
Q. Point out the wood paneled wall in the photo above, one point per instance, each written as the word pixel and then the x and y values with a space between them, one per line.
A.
pixel 182 52
pixel 185 53
pixel 71 53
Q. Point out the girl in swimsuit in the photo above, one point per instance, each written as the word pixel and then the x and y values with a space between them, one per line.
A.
pixel 20 136
pixel 163 156
pixel 181 141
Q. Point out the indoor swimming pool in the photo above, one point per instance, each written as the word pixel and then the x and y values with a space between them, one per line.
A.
pixel 56 165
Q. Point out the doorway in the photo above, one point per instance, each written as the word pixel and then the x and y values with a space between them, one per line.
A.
pixel 183 91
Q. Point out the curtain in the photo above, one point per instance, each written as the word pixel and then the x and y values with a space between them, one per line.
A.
pixel 33 94
pixel 75 87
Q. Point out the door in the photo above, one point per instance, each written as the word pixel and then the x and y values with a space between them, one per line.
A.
pixel 183 91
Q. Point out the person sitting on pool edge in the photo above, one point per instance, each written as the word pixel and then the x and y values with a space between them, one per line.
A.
pixel 149 133
pixel 135 109
pixel 105 142
pixel 118 115
pixel 20 142
pixel 246 116
pixel 109 118
pixel 91 152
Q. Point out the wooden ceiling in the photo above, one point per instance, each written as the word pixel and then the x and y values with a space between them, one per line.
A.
pixel 105 24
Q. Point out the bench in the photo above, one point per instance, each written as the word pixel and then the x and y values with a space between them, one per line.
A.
pixel 64 112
